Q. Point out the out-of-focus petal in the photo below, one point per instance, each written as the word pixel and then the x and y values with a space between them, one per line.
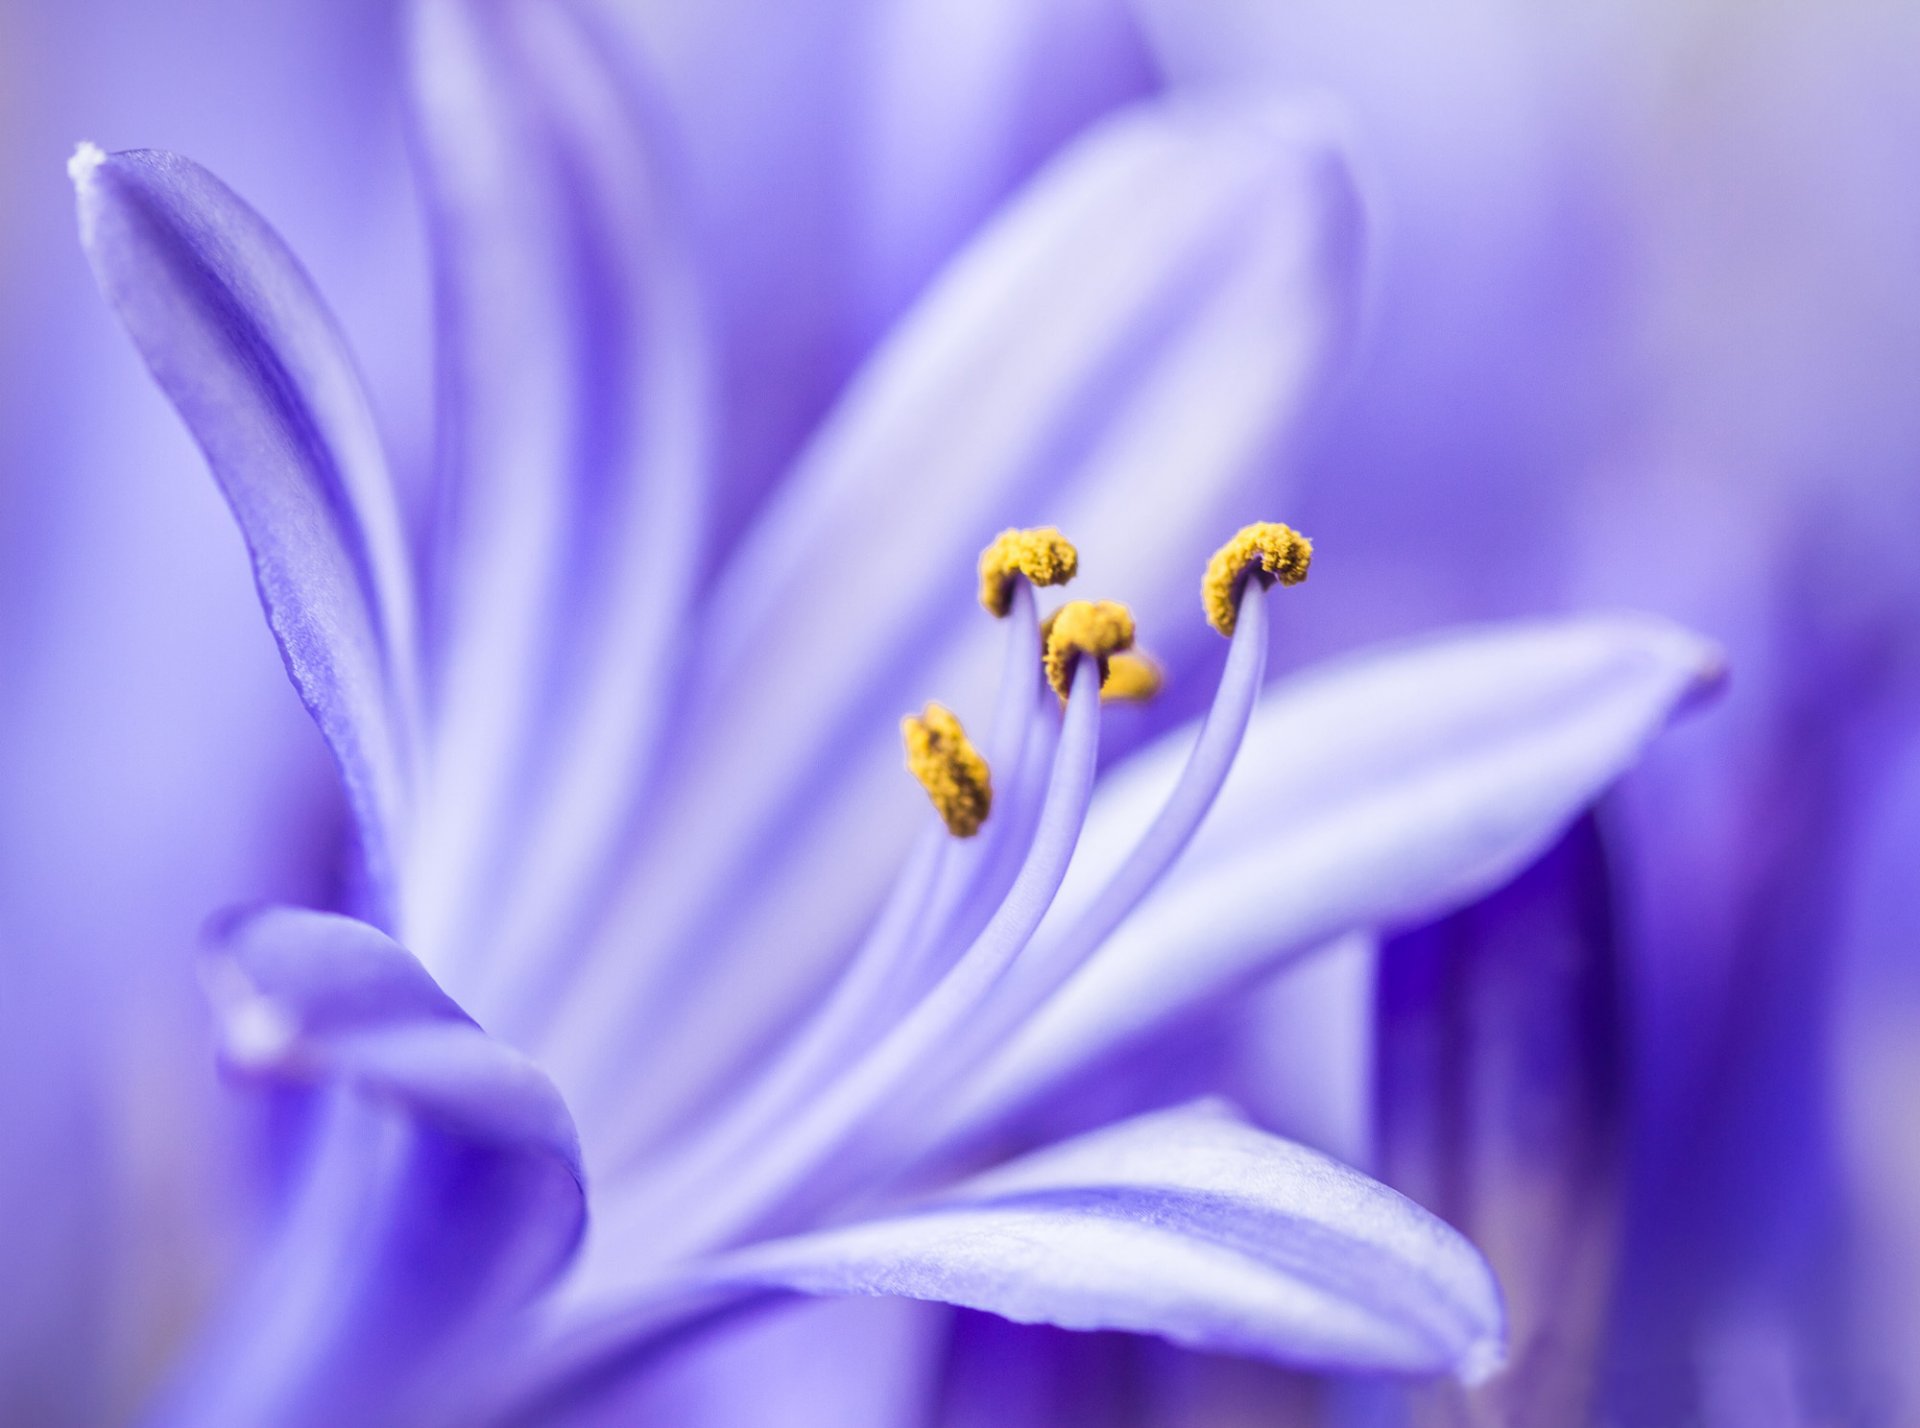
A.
pixel 443 1185
pixel 837 1363
pixel 1082 351
pixel 967 98
pixel 1376 793
pixel 1188 1224
pixel 1877 1067
pixel 574 424
pixel 839 157
pixel 236 336
pixel 1501 1098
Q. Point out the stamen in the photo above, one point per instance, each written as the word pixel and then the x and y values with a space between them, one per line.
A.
pixel 798 1157
pixel 1101 628
pixel 1132 678
pixel 948 766
pixel 1266 550
pixel 1064 946
pixel 1041 554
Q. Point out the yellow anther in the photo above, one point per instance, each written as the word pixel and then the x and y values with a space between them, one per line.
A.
pixel 1131 677
pixel 948 766
pixel 1266 550
pixel 1101 628
pixel 1041 554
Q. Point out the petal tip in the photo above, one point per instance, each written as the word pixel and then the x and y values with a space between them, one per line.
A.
pixel 254 1031
pixel 1700 665
pixel 1483 1359
pixel 85 162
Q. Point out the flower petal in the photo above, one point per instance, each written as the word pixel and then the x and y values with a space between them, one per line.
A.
pixel 234 333
pixel 574 427
pixel 1501 1101
pixel 1378 792
pixel 442 1187
pixel 992 87
pixel 841 156
pixel 309 997
pixel 1188 1224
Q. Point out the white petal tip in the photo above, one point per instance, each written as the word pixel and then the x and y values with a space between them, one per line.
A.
pixel 1481 1362
pixel 254 1030
pixel 86 160
pixel 259 1033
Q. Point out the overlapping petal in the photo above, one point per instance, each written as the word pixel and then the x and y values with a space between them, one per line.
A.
pixel 1501 1105
pixel 442 1185
pixel 573 424
pixel 992 87
pixel 1378 792
pixel 1188 1224
pixel 839 157
pixel 236 336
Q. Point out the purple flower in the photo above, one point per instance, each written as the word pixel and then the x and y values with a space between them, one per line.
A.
pixel 656 992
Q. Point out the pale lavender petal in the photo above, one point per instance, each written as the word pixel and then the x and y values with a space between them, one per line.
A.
pixel 442 1185
pixel 1378 792
pixel 573 383
pixel 236 336
pixel 967 98
pixel 839 152
pixel 1188 1224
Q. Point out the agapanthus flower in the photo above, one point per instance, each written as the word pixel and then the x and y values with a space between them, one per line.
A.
pixel 654 988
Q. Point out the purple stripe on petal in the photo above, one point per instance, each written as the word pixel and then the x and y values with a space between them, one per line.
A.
pixel 236 336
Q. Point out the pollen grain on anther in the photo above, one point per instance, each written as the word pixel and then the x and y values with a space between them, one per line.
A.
pixel 1040 554
pixel 1266 550
pixel 1100 628
pixel 952 771
pixel 1132 678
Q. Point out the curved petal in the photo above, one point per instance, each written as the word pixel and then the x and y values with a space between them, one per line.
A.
pixel 573 383
pixel 967 98
pixel 442 1186
pixel 1080 350
pixel 1380 791
pixel 1188 1224
pixel 839 157
pixel 234 333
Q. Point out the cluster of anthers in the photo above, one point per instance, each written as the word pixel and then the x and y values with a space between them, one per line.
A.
pixel 964 950
pixel 939 754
